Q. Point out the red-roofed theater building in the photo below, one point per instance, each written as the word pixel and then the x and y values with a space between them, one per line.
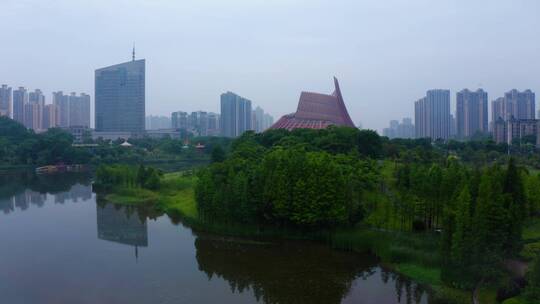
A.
pixel 317 111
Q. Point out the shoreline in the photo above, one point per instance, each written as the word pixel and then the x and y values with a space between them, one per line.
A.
pixel 395 251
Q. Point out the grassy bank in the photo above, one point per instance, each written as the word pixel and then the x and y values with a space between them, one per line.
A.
pixel 175 196
pixel 413 255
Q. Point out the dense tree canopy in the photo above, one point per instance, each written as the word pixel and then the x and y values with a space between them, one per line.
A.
pixel 473 195
pixel 21 146
pixel 298 179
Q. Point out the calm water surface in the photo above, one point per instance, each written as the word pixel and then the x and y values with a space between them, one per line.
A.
pixel 57 245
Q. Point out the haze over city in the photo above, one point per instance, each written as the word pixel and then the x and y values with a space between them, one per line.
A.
pixel 386 54
pixel 270 151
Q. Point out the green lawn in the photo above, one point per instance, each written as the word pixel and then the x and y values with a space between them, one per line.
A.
pixel 132 196
pixel 176 194
pixel 516 300
pixel 531 237
pixel 421 274
pixel 532 230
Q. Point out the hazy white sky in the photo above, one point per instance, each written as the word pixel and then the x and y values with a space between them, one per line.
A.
pixel 386 53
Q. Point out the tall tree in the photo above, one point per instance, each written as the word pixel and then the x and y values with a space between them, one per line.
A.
pixel 461 240
pixel 516 204
pixel 369 143
pixel 490 230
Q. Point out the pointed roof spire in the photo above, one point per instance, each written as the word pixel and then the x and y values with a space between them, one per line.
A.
pixel 133 54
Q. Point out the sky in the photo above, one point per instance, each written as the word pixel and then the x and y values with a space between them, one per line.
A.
pixel 386 54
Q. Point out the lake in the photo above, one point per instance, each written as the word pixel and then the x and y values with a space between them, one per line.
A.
pixel 57 245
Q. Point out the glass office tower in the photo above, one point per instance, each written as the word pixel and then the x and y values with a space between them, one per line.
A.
pixel 120 97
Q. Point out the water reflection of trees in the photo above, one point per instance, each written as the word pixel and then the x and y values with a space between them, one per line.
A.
pixel 282 273
pixel 413 292
pixel 294 272
pixel 24 189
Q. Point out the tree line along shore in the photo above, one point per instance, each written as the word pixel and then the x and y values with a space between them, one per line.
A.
pixel 450 215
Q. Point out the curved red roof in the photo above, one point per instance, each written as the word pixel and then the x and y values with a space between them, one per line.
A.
pixel 317 111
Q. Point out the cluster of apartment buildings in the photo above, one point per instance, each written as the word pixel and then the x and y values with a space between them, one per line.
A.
pixel 403 129
pixel 200 123
pixel 31 109
pixel 235 118
pixel 512 116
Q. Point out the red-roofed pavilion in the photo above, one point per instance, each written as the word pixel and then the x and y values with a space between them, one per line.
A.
pixel 317 111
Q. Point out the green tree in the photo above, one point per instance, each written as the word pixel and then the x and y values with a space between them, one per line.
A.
pixel 153 180
pixel 461 239
pixel 532 186
pixel 516 204
pixel 218 154
pixel 532 290
pixel 491 226
pixel 369 143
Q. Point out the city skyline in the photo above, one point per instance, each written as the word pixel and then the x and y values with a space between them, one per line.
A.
pixel 372 46
pixel 520 104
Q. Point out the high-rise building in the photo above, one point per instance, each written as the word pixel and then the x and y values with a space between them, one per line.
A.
pixel 261 120
pixel 36 97
pixel 471 113
pixel 268 121
pixel 235 115
pixel 120 97
pixel 61 103
pixel 519 105
pixel 258 119
pixel 20 99
pixel 33 110
pixel 50 120
pixel 5 101
pixel 33 116
pixel 157 122
pixel 500 109
pixel 197 122
pixel 432 115
pixel 453 126
pixel 202 123
pixel 405 129
pixel 419 118
pixel 179 120
pixel 213 124
pixel 79 110
pixel 511 130
pixel 522 103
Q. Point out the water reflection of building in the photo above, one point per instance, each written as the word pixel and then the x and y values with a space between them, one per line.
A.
pixel 20 191
pixel 21 200
pixel 24 199
pixel 36 198
pixel 117 224
pixel 78 191
pixel 6 205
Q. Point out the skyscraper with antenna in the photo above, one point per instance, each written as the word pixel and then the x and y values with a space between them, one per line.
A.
pixel 120 97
